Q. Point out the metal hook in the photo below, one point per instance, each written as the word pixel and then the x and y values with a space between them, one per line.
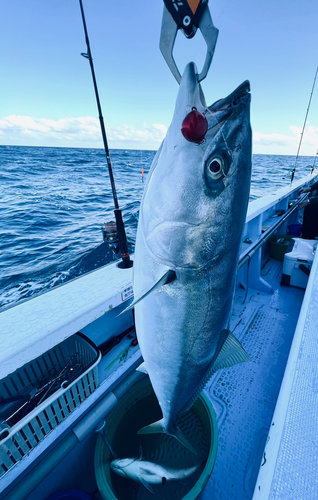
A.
pixel 169 29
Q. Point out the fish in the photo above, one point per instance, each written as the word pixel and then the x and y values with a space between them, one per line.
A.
pixel 148 473
pixel 190 226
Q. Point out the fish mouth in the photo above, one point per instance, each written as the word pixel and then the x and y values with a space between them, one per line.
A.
pixel 190 95
pixel 241 95
pixel 228 107
pixel 192 86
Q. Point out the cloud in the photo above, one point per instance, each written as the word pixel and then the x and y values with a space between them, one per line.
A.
pixel 85 132
pixel 287 144
pixel 269 139
pixel 77 132
pixel 310 135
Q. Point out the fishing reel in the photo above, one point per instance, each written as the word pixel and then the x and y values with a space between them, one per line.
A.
pixel 110 236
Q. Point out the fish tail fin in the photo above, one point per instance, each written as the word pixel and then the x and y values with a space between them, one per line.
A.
pixel 180 437
pixel 158 428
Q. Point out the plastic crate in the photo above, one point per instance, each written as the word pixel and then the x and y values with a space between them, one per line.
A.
pixel 56 383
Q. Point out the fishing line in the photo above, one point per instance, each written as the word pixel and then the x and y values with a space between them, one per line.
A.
pixel 231 155
pixel 302 133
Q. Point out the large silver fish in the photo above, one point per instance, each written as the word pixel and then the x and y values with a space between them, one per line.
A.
pixel 148 473
pixel 189 232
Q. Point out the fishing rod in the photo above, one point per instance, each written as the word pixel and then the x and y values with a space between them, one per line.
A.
pixel 313 166
pixel 302 133
pixel 122 238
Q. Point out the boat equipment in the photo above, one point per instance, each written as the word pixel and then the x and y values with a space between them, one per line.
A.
pixel 246 256
pixel 256 245
pixel 302 132
pixel 122 238
pixel 187 15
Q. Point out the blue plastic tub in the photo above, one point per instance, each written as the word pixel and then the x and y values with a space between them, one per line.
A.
pixel 295 229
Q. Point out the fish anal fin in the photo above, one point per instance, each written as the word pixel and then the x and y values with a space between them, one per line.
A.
pixel 180 437
pixel 146 484
pixel 231 354
pixel 158 428
pixel 167 278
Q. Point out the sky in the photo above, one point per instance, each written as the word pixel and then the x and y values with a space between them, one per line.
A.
pixel 47 96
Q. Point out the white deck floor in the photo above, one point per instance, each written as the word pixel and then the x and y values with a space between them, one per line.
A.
pixel 244 397
pixel 290 471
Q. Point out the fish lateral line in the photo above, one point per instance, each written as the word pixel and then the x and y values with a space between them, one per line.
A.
pixel 167 278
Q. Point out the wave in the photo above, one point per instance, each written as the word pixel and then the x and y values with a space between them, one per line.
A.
pixel 55 200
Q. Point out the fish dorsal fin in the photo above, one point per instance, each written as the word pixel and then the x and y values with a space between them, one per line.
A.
pixel 231 353
pixel 146 484
pixel 140 452
pixel 142 368
pixel 167 278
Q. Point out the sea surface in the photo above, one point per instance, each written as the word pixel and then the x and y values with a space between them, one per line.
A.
pixel 53 202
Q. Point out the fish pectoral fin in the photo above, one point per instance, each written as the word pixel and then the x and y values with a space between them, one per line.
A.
pixel 142 368
pixel 167 278
pixel 157 428
pixel 146 484
pixel 231 353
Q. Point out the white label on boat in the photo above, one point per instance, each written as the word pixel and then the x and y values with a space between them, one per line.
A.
pixel 127 292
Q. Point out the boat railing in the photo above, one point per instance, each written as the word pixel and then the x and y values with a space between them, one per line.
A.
pixel 249 252
pixel 264 217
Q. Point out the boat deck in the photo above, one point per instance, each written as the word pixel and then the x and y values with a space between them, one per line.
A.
pixel 291 452
pixel 244 397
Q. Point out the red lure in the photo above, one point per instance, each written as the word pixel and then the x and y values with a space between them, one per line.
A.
pixel 194 126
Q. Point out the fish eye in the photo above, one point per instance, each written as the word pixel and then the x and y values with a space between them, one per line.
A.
pixel 215 168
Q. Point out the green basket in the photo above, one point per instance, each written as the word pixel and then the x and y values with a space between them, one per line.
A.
pixel 278 250
pixel 136 409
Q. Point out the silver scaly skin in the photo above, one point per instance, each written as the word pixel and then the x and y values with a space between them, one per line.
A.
pixel 148 473
pixel 191 220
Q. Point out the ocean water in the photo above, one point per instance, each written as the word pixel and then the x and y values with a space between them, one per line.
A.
pixel 53 202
